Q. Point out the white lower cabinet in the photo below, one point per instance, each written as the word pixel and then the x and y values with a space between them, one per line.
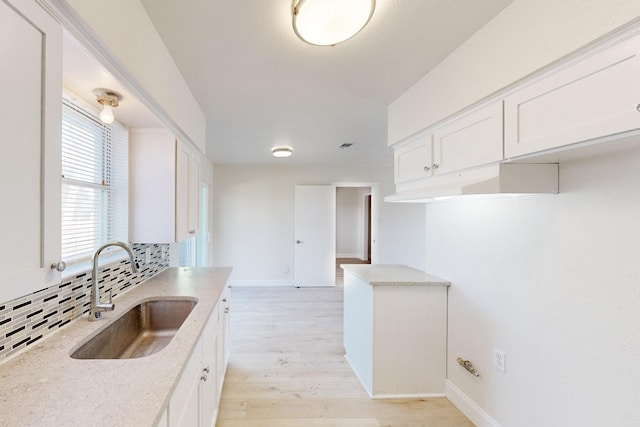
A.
pixel 196 398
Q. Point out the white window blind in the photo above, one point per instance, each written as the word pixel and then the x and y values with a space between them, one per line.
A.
pixel 94 183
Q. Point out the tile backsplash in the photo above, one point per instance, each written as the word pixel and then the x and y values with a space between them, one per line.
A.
pixel 30 318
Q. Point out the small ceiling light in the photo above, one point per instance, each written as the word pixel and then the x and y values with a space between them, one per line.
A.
pixel 281 151
pixel 109 99
pixel 329 22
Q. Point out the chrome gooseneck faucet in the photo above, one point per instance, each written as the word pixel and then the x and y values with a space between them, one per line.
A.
pixel 97 307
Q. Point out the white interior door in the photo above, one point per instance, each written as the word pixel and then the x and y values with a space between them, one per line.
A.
pixel 315 235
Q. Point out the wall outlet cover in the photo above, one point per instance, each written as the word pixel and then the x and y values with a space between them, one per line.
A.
pixel 499 360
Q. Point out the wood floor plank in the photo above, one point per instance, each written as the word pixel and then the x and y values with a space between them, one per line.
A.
pixel 287 368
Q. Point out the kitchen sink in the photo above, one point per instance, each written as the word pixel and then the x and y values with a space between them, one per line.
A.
pixel 143 330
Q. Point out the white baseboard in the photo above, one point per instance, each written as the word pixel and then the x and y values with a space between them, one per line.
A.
pixel 468 407
pixel 407 396
pixel 263 283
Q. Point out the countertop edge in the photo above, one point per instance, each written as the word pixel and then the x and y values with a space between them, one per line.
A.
pixel 393 275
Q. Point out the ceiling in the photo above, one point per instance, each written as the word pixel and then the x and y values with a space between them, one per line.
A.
pixel 260 86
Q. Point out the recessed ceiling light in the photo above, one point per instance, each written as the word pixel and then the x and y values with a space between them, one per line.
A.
pixel 281 151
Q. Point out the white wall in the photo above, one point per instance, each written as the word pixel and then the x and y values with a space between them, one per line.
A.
pixel 350 221
pixel 126 30
pixel 524 37
pixel 553 281
pixel 253 224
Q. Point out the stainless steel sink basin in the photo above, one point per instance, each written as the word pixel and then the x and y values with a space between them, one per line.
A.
pixel 143 330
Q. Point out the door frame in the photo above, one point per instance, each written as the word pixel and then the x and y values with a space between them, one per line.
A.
pixel 375 193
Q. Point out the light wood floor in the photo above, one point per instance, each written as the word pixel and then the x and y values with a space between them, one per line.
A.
pixel 287 368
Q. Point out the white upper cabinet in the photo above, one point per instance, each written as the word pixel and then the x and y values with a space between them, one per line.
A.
pixel 472 139
pixel 30 107
pixel 164 187
pixel 596 97
pixel 413 159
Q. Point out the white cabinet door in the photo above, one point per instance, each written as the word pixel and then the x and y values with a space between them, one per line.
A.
pixel 194 194
pixel 182 192
pixel 30 107
pixel 184 406
pixel 413 159
pixel 209 385
pixel 473 139
pixel 223 337
pixel 593 98
pixel 187 192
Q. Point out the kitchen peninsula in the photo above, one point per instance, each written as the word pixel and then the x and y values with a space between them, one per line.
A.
pixel 395 329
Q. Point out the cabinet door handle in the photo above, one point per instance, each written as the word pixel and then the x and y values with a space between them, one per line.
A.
pixel 426 168
pixel 192 231
pixel 207 370
pixel 224 299
pixel 226 310
pixel 204 377
pixel 434 166
pixel 59 266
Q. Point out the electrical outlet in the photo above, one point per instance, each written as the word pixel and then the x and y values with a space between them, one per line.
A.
pixel 499 360
pixel 147 255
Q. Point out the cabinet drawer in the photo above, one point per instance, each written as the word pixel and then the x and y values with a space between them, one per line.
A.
pixel 593 98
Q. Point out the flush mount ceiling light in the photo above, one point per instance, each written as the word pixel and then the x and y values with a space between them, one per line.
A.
pixel 281 151
pixel 109 99
pixel 329 22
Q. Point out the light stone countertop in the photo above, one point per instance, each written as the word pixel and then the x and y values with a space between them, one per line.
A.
pixel 392 275
pixel 45 387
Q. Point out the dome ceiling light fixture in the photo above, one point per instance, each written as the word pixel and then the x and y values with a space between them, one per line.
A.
pixel 109 99
pixel 281 151
pixel 329 22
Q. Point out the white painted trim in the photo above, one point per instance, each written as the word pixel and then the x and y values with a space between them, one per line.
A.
pixel 261 283
pixel 468 407
pixel 407 396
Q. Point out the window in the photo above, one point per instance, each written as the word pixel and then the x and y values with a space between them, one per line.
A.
pixel 94 183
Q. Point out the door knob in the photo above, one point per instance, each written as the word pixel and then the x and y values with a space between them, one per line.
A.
pixel 298 241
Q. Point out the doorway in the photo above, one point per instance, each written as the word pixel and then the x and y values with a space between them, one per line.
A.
pixel 354 225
